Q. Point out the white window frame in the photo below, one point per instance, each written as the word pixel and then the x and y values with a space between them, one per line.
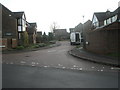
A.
pixel 114 18
pixel 19 28
pixel 105 22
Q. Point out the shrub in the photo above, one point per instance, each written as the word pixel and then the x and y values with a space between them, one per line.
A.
pixel 35 46
pixel 52 42
pixel 42 44
pixel 20 47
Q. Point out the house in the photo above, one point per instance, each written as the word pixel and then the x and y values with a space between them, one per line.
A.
pixel 71 30
pixel 86 29
pixel 39 37
pixel 61 34
pixel 21 26
pixel 9 28
pixel 104 35
pixel 32 32
pixel 101 19
pixel 79 28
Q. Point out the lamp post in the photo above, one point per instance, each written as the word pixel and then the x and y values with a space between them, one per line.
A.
pixel 83 33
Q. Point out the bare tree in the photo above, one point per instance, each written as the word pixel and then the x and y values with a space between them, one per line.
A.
pixel 53 26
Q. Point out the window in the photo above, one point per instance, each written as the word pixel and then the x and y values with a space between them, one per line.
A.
pixel 95 21
pixel 114 18
pixel 105 23
pixel 109 21
pixel 19 28
pixel 23 28
pixel 8 34
pixel 19 22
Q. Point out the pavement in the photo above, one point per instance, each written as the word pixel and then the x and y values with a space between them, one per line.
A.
pixel 93 57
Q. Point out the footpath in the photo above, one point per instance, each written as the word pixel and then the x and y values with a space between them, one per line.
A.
pixel 32 49
pixel 101 59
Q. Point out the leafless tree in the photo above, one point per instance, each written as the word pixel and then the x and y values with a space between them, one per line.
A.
pixel 54 26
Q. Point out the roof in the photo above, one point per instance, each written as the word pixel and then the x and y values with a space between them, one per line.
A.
pixel 32 28
pixel 8 11
pixel 33 24
pixel 105 15
pixel 100 15
pixel 18 14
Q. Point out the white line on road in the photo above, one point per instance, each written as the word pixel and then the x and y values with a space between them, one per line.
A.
pixel 52 51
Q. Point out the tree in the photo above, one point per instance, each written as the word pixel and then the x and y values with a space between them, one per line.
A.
pixel 50 36
pixel 26 39
pixel 44 38
pixel 54 26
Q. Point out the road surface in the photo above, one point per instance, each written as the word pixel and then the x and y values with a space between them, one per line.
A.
pixel 54 67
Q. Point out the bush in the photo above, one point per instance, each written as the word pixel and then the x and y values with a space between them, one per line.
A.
pixel 20 47
pixel 52 42
pixel 42 44
pixel 35 46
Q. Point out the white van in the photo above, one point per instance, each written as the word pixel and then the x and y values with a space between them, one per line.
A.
pixel 75 38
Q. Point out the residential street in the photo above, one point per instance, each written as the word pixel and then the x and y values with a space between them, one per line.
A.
pixel 54 67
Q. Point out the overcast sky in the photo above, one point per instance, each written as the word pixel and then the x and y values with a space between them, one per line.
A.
pixel 66 13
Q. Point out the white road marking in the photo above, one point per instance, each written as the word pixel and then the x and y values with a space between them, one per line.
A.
pixel 33 62
pixel 37 63
pixel 22 62
pixel 63 67
pixel 60 65
pixel 33 65
pixel 62 50
pixel 11 63
pixel 74 66
pixel 115 68
pixel 45 66
pixel 52 51
pixel 80 69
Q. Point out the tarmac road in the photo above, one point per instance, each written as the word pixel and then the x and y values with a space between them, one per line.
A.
pixel 55 68
pixel 16 76
pixel 54 57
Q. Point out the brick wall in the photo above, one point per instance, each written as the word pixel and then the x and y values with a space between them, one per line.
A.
pixel 4 43
pixel 14 43
pixel 104 40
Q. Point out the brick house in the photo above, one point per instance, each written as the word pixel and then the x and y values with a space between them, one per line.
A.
pixel 9 28
pixel 86 29
pixel 39 37
pixel 60 34
pixel 21 26
pixel 104 35
pixel 32 32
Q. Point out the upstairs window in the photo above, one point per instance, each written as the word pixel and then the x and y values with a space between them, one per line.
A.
pixel 109 21
pixel 19 21
pixel 19 28
pixel 114 18
pixel 95 21
pixel 105 22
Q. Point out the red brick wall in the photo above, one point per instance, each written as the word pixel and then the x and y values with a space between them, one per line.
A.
pixel 4 43
pixel 14 43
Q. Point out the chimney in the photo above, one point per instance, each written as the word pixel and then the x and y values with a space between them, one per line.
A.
pixel 108 12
